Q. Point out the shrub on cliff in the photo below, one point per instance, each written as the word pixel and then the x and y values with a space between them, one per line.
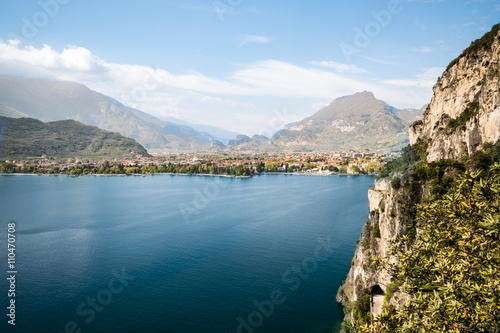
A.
pixel 451 271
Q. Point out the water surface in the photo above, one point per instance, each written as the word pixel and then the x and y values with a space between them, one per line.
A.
pixel 206 254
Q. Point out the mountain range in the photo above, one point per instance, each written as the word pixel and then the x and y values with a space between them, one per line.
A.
pixel 358 122
pixel 52 101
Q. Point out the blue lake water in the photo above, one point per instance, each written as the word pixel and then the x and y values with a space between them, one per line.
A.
pixel 179 253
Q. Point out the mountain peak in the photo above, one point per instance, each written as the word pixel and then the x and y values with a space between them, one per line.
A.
pixel 357 121
pixel 363 95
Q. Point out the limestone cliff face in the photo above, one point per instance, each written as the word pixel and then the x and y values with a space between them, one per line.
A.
pixel 472 81
pixel 463 115
pixel 391 215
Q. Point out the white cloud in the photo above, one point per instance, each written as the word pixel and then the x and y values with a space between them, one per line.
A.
pixel 339 67
pixel 424 49
pixel 260 78
pixel 426 79
pixel 247 39
pixel 244 92
pixel 497 7
pixel 378 61
pixel 278 78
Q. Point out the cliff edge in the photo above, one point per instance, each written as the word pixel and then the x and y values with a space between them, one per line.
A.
pixel 459 132
pixel 464 112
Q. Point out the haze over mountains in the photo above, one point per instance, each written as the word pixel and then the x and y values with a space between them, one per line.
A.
pixel 356 122
pixel 51 101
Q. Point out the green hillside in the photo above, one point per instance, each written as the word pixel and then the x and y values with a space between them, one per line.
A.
pixel 28 137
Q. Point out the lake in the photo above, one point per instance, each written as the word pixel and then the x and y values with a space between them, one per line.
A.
pixel 180 254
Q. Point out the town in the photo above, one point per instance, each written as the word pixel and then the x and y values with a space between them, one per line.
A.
pixel 241 165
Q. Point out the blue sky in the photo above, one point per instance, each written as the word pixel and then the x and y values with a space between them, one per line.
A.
pixel 247 65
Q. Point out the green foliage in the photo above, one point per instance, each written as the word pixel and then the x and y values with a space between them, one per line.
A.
pixel 376 231
pixel 417 123
pixel 271 166
pixel 390 290
pixel 27 137
pixel 451 270
pixel 361 309
pixel 409 156
pixel 334 169
pixel 411 232
pixel 116 169
pixel 470 111
pixel 355 169
pixel 7 167
pixel 482 160
pixel 396 183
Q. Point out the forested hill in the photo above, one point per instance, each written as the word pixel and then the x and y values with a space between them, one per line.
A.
pixel 28 137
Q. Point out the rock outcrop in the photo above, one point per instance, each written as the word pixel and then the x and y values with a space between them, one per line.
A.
pixel 391 214
pixel 464 112
pixel 463 115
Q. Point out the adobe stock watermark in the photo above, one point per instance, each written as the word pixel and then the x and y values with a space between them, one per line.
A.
pixel 292 280
pixel 31 26
pixel 222 7
pixel 276 123
pixel 201 199
pixel 372 29
pixel 150 82
pixel 87 309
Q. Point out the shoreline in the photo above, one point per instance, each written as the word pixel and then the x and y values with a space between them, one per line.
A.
pixel 184 174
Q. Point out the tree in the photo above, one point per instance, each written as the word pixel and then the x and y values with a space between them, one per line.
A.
pixel 355 169
pixel 271 166
pixel 451 271
pixel 8 167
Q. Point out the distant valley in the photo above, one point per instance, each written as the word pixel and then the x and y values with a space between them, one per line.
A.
pixel 357 122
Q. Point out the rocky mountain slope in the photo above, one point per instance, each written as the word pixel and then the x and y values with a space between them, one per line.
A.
pixel 459 131
pixel 358 122
pixel 28 137
pixel 51 101
pixel 355 122
pixel 409 116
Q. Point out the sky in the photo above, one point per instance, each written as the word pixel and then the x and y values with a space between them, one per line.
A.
pixel 250 66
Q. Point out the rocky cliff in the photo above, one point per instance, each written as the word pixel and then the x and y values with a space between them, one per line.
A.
pixel 392 208
pixel 464 112
pixel 464 115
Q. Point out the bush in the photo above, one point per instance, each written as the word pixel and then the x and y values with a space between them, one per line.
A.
pixel 361 308
pixel 451 270
pixel 376 231
pixel 389 292
pixel 396 183
pixel 470 111
pixel 409 156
